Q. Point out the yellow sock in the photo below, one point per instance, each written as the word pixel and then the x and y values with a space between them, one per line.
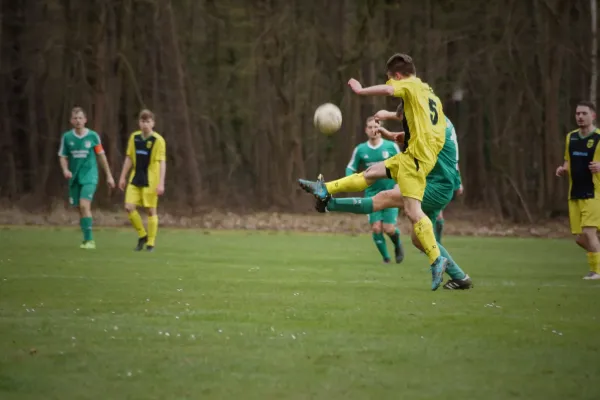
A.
pixel 136 221
pixel 424 231
pixel 152 229
pixel 594 262
pixel 350 183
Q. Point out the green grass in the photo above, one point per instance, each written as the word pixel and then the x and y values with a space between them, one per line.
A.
pixel 291 316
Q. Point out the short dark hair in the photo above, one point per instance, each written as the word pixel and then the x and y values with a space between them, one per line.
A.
pixel 401 63
pixel 77 110
pixel 587 104
pixel 146 115
pixel 369 119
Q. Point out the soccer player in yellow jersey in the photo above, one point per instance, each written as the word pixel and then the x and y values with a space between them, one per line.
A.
pixel 146 153
pixel 424 127
pixel 582 165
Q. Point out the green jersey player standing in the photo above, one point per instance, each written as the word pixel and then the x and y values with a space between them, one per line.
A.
pixel 364 155
pixel 77 154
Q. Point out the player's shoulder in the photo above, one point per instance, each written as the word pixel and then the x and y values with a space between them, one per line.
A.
pixel 388 143
pixel 135 134
pixel 158 136
pixel 94 134
pixel 361 146
pixel 67 133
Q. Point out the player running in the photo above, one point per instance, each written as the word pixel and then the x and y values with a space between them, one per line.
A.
pixel 146 153
pixel 582 165
pixel 364 155
pixel 424 126
pixel 79 148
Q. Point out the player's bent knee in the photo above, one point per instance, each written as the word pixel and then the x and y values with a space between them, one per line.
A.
pixel 130 207
pixel 376 171
pixel 390 229
pixel 152 211
pixel 412 209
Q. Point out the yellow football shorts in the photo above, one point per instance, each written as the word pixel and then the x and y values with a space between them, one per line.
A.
pixel 141 196
pixel 410 174
pixel 583 213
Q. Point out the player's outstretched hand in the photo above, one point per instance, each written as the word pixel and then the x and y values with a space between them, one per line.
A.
pixel 122 184
pixel 111 182
pixel 561 170
pixel 67 174
pixel 460 190
pixel 595 167
pixel 160 190
pixel 355 85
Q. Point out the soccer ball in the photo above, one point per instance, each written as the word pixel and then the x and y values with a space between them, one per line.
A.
pixel 328 118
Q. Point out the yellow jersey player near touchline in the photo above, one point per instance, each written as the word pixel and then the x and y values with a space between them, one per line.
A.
pixel 146 153
pixel 582 165
pixel 425 136
pixel 79 148
pixel 374 150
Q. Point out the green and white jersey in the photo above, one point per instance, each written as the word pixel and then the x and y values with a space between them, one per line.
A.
pixel 445 175
pixel 365 155
pixel 81 152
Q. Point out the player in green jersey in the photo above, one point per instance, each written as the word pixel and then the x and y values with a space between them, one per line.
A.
pixel 77 154
pixel 364 155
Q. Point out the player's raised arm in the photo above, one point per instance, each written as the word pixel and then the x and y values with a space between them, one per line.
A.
pixel 377 90
pixel 397 137
pixel 383 115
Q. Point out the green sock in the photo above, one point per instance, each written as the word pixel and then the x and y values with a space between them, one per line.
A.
pixel 86 228
pixel 395 237
pixel 439 227
pixel 354 205
pixel 453 269
pixel 379 240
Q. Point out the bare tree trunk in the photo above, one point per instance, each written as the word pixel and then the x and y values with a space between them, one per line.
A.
pixel 178 99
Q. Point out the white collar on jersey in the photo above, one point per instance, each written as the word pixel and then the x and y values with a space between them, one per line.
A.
pixel 377 146
pixel 85 133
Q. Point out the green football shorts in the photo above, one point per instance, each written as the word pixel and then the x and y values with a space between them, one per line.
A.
pixel 77 192
pixel 435 199
pixel 387 215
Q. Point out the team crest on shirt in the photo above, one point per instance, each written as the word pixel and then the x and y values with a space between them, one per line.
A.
pixel 590 143
pixel 87 144
pixel 148 144
pixel 385 154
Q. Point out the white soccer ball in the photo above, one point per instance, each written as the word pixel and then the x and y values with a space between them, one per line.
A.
pixel 328 118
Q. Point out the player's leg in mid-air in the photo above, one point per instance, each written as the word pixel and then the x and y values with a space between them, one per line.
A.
pixel 411 180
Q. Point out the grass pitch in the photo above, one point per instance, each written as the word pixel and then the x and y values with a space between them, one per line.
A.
pixel 247 315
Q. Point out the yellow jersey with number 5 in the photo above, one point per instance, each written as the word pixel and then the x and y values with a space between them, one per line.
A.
pixel 424 118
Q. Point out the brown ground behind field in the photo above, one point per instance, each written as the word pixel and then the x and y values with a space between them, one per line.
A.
pixel 459 221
